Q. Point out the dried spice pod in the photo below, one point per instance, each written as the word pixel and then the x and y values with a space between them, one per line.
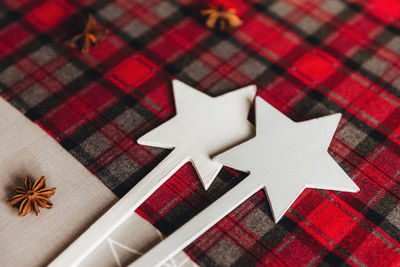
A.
pixel 92 34
pixel 221 18
pixel 31 196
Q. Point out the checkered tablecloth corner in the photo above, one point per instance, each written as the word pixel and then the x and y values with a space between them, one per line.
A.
pixel 308 59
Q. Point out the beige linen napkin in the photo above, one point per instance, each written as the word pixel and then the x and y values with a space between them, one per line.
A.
pixel 80 199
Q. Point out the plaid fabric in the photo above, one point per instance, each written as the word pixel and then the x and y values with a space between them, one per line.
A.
pixel 308 58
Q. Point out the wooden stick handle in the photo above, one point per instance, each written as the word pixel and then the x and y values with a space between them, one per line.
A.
pixel 116 215
pixel 198 225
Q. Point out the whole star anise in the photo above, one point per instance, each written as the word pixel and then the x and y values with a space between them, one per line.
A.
pixel 221 18
pixel 92 34
pixel 31 196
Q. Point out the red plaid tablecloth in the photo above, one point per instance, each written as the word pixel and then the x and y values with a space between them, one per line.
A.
pixel 308 59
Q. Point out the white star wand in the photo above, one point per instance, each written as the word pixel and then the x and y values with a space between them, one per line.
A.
pixel 283 158
pixel 203 127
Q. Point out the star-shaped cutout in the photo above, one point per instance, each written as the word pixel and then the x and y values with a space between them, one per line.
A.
pixel 285 157
pixel 203 127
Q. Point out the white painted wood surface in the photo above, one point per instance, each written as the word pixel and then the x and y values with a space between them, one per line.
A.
pixel 127 243
pixel 284 158
pixel 203 127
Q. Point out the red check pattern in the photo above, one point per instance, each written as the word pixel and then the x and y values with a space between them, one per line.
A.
pixel 308 59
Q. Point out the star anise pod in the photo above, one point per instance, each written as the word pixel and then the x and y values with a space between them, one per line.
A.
pixel 92 34
pixel 221 18
pixel 31 196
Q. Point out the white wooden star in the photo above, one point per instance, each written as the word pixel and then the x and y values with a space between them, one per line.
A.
pixel 283 158
pixel 203 127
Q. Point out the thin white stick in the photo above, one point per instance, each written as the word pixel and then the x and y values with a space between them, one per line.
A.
pixel 124 208
pixel 202 127
pixel 198 225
